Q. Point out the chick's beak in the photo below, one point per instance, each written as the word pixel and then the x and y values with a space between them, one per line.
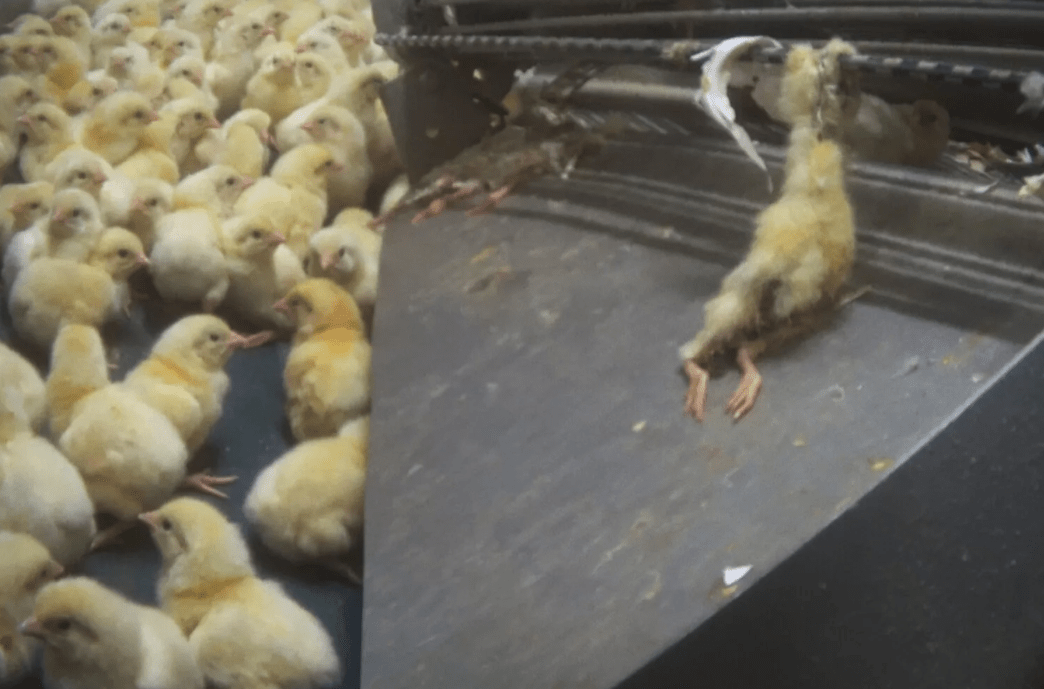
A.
pixel 226 13
pixel 58 217
pixel 282 306
pixel 327 260
pixel 141 260
pixel 56 570
pixel 267 31
pixel 300 49
pixel 150 519
pixel 246 182
pixel 276 239
pixel 24 120
pixel 153 116
pixel 100 178
pixel 266 137
pixel 214 123
pixel 31 628
pixel 308 126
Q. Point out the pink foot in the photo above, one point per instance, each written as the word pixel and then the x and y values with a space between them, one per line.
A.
pixel 205 483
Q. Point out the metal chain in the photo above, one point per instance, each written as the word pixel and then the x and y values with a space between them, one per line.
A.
pixel 668 51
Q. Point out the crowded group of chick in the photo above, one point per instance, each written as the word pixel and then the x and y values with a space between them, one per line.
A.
pixel 223 154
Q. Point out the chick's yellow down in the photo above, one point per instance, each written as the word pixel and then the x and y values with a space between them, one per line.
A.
pixel 803 245
pixel 95 638
pixel 25 567
pixel 51 291
pixel 22 386
pixel 20 206
pixel 40 492
pixel 349 253
pixel 113 128
pixel 327 374
pixel 261 269
pixel 246 632
pixel 308 504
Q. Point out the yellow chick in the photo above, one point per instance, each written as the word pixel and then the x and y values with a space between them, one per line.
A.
pixel 69 232
pixel 113 128
pixel 308 504
pixel 270 87
pixel 47 127
pixel 17 95
pixel 62 65
pixel 88 92
pixel 78 368
pixel 349 253
pixel 137 205
pixel 31 25
pixel 216 188
pixel 130 454
pixel 359 91
pixel 141 13
pixel 243 143
pixel 187 260
pixel 184 377
pixel 41 493
pixel 78 168
pixel 297 185
pixel 134 70
pixel 317 41
pixel 261 269
pixel 21 205
pixel 803 245
pixel 201 17
pixel 246 632
pixel 27 567
pixel 327 375
pixel 185 79
pixel 29 394
pixel 300 17
pixel 110 34
pixel 340 131
pixel 176 43
pixel 353 35
pixel 94 637
pixel 51 291
pixel 232 61
pixel 168 141
pixel 73 22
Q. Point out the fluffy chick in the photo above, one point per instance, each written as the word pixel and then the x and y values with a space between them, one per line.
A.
pixel 340 131
pixel 319 42
pixel 359 91
pixel 51 291
pixel 78 168
pixel 803 244
pixel 243 143
pixel 110 34
pixel 215 188
pixel 17 95
pixel 185 79
pixel 94 637
pixel 184 377
pixel 245 632
pixel 273 86
pixel 187 261
pixel 69 232
pixel 327 375
pixel 261 269
pixel 47 127
pixel 232 62
pixel 166 143
pixel 113 128
pixel 26 386
pixel 134 70
pixel 74 23
pixel 349 253
pixel 62 64
pixel 353 35
pixel 21 205
pixel 141 13
pixel 27 567
pixel 151 200
pixel 308 504
pixel 295 193
pixel 395 192
pixel 41 493
pixel 201 17
pixel 88 92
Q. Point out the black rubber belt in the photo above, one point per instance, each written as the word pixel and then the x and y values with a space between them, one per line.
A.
pixel 655 50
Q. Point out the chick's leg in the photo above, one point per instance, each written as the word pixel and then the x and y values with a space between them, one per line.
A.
pixel 742 401
pixel 440 204
pixel 493 200
pixel 205 483
pixel 696 399
pixel 110 534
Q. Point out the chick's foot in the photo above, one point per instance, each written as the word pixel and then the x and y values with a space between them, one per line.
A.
pixel 696 399
pixel 742 401
pixel 205 483
pixel 343 569
pixel 439 205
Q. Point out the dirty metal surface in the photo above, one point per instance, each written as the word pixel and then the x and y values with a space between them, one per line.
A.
pixel 539 511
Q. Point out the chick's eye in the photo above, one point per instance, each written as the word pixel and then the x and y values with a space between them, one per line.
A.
pixel 340 252
pixel 256 234
pixel 96 92
pixel 153 202
pixel 76 213
pixel 63 625
pixel 81 175
pixel 230 181
pixel 139 114
pixel 123 253
pixel 198 116
pixel 321 120
pixel 214 337
pixel 166 525
pixel 33 206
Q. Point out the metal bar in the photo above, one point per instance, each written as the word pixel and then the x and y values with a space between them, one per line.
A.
pixel 907 15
